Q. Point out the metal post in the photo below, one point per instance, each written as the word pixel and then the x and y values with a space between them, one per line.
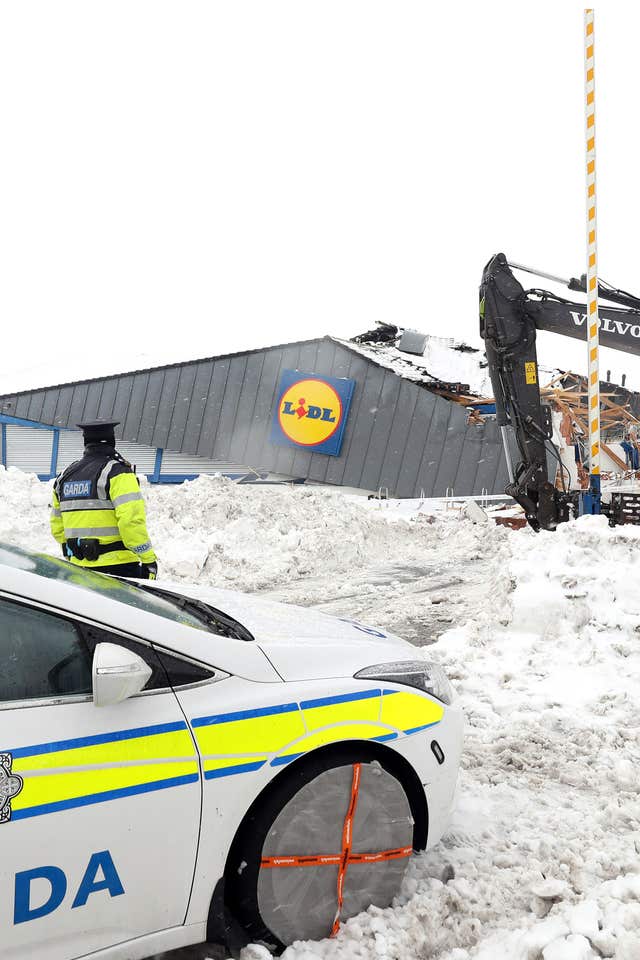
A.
pixel 507 453
pixel 592 264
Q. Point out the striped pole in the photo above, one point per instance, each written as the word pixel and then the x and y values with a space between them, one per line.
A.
pixel 592 264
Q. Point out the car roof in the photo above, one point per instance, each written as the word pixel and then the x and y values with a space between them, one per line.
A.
pixel 121 606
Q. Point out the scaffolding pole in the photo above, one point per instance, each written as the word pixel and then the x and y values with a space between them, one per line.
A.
pixel 592 264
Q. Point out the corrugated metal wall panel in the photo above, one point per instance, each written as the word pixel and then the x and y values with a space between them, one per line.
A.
pixel 259 448
pixel 35 405
pixel 165 407
pixel 433 448
pixel 465 479
pixel 399 437
pixel 22 407
pixel 29 448
pixel 122 401
pixel 447 472
pixel 130 426
pixel 246 407
pixel 49 405
pixel 92 403
pixel 229 412
pixel 213 409
pixel 407 483
pixel 184 392
pixel 195 418
pixel 107 400
pixel 76 411
pixel 63 406
pixel 282 457
pixel 147 427
pixel 371 477
pixel 354 367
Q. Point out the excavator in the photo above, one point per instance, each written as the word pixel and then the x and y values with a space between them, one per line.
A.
pixel 509 319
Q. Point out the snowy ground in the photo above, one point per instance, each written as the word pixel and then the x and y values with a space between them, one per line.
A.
pixel 541 636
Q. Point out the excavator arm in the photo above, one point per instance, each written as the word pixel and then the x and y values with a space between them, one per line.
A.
pixel 509 319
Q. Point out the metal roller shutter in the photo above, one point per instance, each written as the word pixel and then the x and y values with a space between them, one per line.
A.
pixel 29 448
pixel 177 464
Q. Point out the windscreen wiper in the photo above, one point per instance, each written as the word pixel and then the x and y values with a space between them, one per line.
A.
pixel 225 625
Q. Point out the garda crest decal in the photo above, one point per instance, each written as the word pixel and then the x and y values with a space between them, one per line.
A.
pixel 311 412
pixel 10 786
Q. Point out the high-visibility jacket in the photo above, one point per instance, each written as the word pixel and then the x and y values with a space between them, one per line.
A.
pixel 99 498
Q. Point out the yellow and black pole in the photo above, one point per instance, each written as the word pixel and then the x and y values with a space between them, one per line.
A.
pixel 591 502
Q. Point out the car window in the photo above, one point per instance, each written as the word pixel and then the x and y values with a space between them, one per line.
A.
pixel 183 672
pixel 54 569
pixel 41 655
pixel 94 635
pixel 166 670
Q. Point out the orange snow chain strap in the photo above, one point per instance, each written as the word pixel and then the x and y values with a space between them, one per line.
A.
pixel 333 859
pixel 347 839
pixel 345 857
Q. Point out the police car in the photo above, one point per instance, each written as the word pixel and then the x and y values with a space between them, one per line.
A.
pixel 174 770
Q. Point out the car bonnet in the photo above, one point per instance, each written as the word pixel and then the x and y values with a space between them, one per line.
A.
pixel 303 643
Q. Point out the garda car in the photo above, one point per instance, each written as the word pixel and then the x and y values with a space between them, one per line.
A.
pixel 174 770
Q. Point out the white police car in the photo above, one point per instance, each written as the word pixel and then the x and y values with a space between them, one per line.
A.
pixel 171 773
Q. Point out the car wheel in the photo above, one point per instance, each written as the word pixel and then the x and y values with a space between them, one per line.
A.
pixel 326 840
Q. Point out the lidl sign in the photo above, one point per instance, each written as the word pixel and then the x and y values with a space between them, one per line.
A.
pixel 312 412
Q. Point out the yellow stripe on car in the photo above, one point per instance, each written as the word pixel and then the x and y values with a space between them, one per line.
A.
pixel 83 770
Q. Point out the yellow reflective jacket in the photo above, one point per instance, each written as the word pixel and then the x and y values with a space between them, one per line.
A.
pixel 99 498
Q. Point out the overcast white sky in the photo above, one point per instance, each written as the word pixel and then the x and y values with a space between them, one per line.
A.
pixel 191 178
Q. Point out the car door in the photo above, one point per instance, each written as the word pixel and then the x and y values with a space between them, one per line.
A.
pixel 99 806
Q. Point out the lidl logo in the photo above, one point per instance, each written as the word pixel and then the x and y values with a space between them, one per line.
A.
pixel 312 411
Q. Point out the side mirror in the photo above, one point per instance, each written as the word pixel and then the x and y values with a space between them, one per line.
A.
pixel 118 674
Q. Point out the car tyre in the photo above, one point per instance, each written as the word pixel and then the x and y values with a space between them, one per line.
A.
pixel 302 814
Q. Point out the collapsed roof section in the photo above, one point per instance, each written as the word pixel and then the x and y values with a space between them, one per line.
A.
pixel 443 365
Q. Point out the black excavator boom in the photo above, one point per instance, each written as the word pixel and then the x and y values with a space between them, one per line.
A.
pixel 509 319
pixel 509 332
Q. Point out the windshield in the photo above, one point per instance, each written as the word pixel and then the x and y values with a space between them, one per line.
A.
pixel 125 591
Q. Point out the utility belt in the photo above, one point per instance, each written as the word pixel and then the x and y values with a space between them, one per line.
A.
pixel 92 550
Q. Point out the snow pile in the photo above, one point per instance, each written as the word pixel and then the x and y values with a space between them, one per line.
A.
pixel 211 531
pixel 443 359
pixel 542 858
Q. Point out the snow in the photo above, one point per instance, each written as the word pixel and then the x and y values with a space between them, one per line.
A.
pixel 541 638
pixel 442 360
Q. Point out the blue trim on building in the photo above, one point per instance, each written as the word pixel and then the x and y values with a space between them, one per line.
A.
pixel 157 466
pixel 54 453
pixel 20 422
pixel 3 444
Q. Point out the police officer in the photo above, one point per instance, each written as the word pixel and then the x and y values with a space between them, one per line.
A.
pixel 98 514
